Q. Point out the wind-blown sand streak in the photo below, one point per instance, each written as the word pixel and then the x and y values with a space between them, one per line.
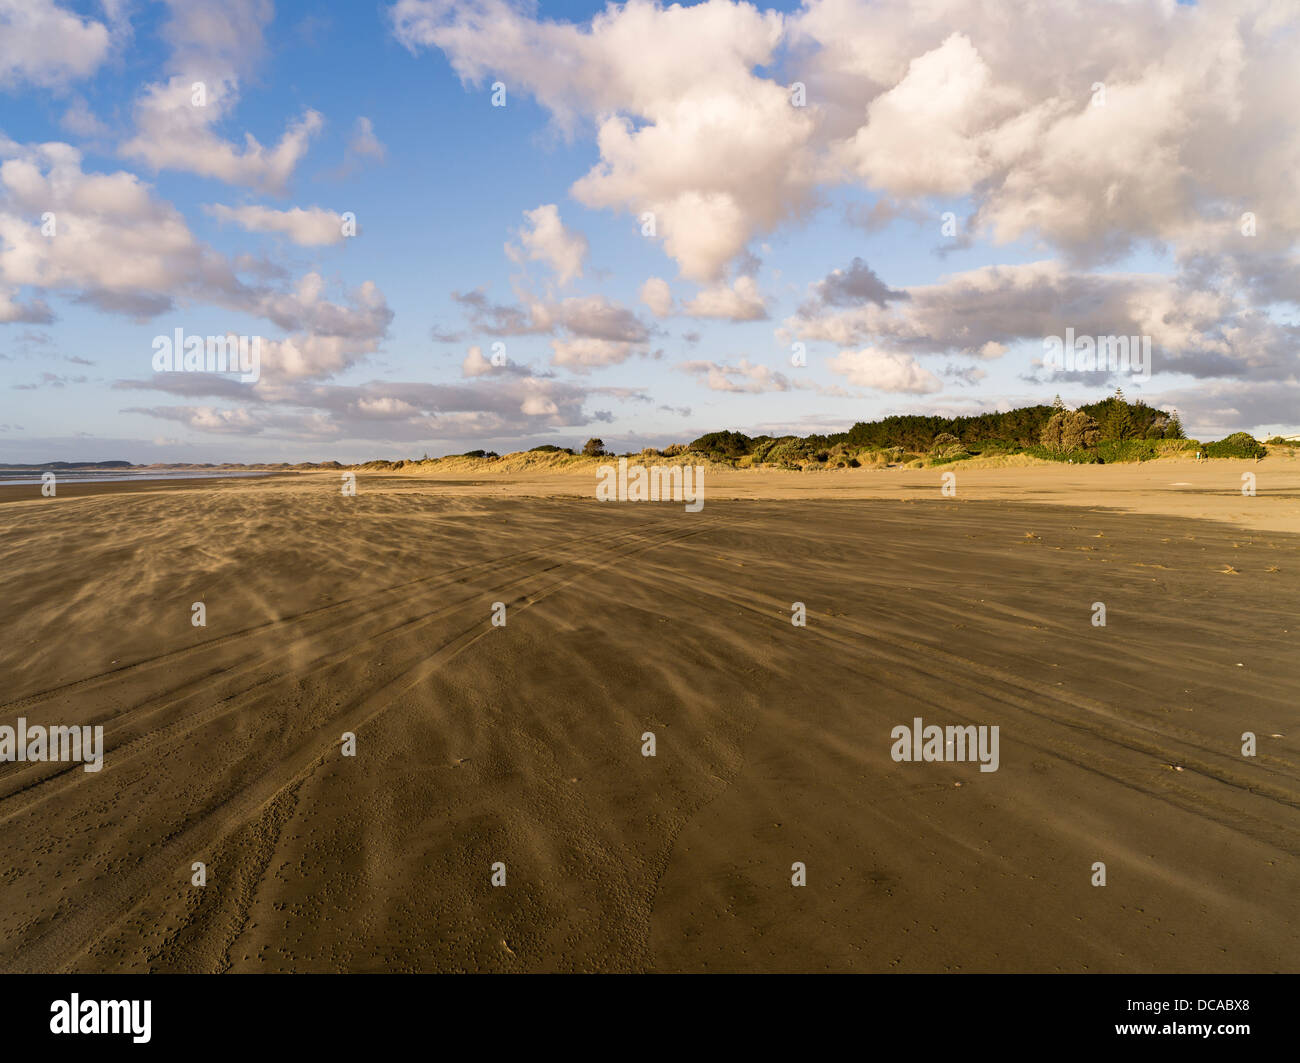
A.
pixel 522 744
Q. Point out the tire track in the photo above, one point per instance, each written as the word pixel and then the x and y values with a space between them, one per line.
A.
pixel 130 746
pixel 62 943
pixel 163 660
pixel 1018 693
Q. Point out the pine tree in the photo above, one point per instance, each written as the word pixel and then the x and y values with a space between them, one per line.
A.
pixel 1117 422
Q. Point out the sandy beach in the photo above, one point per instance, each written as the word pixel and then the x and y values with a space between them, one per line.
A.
pixel 521 744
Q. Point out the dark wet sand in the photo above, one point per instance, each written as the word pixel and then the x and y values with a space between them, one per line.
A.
pixel 64 489
pixel 522 744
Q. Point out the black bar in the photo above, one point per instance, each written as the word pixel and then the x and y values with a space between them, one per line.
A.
pixel 671 1015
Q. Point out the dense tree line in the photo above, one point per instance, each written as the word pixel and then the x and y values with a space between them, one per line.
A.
pixel 1116 420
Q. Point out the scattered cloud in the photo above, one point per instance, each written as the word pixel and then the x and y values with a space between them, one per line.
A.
pixel 42 43
pixel 739 302
pixel 884 371
pixel 744 377
pixel 364 144
pixel 545 238
pixel 658 296
pixel 79 121
pixel 307 227
pixel 173 133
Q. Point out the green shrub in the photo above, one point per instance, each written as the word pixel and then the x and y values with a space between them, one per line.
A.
pixel 1237 445
pixel 1078 457
pixel 789 452
pixel 1113 451
pixel 947 448
pixel 723 445
pixel 993 447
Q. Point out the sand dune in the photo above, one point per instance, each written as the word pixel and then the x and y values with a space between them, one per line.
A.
pixel 522 744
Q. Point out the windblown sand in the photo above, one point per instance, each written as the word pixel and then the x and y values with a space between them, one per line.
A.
pixel 522 744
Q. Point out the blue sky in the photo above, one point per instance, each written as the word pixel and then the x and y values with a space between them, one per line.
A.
pixel 1118 218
